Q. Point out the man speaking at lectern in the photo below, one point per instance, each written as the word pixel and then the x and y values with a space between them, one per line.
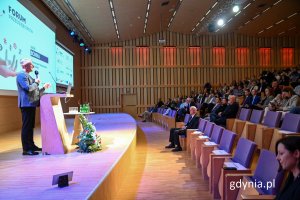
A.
pixel 28 100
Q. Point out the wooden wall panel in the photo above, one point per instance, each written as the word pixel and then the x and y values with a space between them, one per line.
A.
pixel 104 78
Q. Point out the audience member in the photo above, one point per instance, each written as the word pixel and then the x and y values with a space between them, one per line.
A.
pixel 288 155
pixel 175 132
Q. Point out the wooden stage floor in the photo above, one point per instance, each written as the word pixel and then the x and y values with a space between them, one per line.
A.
pixel 30 177
pixel 154 172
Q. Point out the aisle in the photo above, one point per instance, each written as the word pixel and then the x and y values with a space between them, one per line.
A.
pixel 158 173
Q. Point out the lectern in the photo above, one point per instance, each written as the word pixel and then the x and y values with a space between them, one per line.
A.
pixel 55 137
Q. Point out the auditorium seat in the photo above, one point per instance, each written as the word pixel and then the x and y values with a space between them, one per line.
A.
pixel 201 127
pixel 290 127
pixel 185 121
pixel 256 118
pixel 170 119
pixel 241 160
pixel 264 132
pixel 226 144
pixel 266 172
pixel 214 139
pixel 182 138
pixel 204 134
pixel 243 117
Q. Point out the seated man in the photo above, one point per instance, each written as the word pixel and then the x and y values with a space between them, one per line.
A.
pixel 175 132
pixel 229 112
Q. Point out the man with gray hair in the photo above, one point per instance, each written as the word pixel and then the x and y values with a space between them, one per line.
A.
pixel 28 100
pixel 175 132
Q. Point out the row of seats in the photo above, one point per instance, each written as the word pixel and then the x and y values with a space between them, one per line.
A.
pixel 211 147
pixel 167 121
pixel 264 132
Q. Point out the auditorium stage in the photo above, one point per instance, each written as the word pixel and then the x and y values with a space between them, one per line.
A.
pixel 96 175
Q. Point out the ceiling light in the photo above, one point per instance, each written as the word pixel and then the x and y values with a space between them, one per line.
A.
pixel 237 13
pixel 220 22
pixel 280 21
pixel 207 12
pixel 174 13
pixel 266 10
pixel 235 9
pixel 277 2
pixel 247 6
pixel 270 27
pixel 256 16
pixel 260 31
pixel 281 33
pixel 202 19
pixel 214 5
pixel 147 15
pixel 292 15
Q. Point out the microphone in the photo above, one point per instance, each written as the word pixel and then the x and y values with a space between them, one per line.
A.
pixel 36 72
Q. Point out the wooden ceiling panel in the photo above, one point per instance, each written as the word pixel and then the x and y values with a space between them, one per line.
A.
pixel 270 17
pixel 130 14
pixel 96 16
pixel 189 14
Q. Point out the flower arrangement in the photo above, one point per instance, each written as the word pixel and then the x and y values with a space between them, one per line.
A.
pixel 89 141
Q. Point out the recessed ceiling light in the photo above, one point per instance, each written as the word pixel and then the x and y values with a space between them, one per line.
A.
pixel 235 8
pixel 139 17
pixel 220 22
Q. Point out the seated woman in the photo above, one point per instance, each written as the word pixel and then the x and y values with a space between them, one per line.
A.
pixel 288 155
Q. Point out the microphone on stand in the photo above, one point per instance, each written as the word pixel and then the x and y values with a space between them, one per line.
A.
pixel 36 72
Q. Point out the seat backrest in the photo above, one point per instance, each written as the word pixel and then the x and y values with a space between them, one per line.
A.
pixel 244 152
pixel 267 171
pixel 208 128
pixel 256 116
pixel 202 124
pixel 245 114
pixel 291 122
pixel 216 134
pixel 272 119
pixel 186 118
pixel 172 113
pixel 227 140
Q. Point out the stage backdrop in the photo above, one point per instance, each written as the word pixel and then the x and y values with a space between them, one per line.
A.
pixel 184 63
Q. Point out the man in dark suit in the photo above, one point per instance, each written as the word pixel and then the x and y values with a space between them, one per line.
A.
pixel 175 132
pixel 248 99
pixel 255 98
pixel 219 108
pixel 28 100
pixel 229 112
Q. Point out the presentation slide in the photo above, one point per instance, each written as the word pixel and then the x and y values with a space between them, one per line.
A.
pixel 23 35
pixel 64 66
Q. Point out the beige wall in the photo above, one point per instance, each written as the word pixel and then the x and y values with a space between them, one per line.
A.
pixel 114 69
pixel 10 117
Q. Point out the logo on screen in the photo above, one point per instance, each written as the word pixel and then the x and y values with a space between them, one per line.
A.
pixel 16 14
